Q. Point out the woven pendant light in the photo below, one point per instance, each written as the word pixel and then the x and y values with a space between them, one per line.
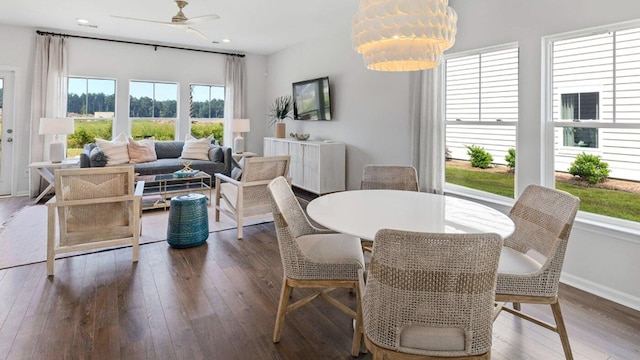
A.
pixel 403 35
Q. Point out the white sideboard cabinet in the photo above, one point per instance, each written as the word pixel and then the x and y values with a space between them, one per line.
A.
pixel 316 166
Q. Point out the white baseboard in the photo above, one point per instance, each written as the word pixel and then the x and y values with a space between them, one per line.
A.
pixel 602 291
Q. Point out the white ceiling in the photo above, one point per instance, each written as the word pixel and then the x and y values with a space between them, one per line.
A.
pixel 254 26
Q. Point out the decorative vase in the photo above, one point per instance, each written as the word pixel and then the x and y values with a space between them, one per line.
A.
pixel 281 130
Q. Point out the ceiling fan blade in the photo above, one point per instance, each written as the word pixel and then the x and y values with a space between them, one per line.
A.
pixel 195 32
pixel 145 20
pixel 201 19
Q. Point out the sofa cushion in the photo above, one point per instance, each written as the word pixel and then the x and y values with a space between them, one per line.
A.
pixel 196 149
pixel 97 158
pixel 116 150
pixel 169 149
pixel 142 151
pixel 168 166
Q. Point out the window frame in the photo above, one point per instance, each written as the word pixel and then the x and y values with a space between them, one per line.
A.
pixel 115 103
pixel 574 150
pixel 601 223
pixel 177 84
pixel 210 86
pixel 463 190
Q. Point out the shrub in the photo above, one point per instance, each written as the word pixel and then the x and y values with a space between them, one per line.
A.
pixel 479 156
pixel 447 154
pixel 510 158
pixel 589 167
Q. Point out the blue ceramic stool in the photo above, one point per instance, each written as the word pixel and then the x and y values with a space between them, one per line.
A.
pixel 188 221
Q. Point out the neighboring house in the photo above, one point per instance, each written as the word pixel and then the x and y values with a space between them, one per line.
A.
pixel 587 72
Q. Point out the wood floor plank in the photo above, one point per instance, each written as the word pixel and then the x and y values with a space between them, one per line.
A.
pixel 218 301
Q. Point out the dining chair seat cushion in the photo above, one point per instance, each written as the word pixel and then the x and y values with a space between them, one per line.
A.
pixel 332 248
pixel 432 338
pixel 514 262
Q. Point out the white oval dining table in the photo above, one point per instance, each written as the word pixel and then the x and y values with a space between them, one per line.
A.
pixel 362 213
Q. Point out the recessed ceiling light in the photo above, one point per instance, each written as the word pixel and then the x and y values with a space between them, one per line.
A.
pixel 82 21
pixel 226 40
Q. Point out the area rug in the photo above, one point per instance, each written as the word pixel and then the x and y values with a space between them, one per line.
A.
pixel 23 239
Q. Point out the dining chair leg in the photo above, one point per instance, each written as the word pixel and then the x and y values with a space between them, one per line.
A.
pixel 562 330
pixel 285 293
pixel 357 331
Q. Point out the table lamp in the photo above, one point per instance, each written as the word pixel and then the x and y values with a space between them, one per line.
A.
pixel 56 127
pixel 240 126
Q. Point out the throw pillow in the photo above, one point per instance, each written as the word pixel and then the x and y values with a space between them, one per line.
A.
pixel 142 151
pixel 116 150
pixel 196 149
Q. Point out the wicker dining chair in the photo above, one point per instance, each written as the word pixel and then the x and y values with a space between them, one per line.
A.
pixel 430 295
pixel 532 257
pixel 388 177
pixel 392 177
pixel 96 207
pixel 312 258
pixel 247 199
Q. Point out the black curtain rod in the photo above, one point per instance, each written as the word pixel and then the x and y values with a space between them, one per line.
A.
pixel 136 43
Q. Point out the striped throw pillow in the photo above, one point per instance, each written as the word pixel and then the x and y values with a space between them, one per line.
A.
pixel 116 150
pixel 196 149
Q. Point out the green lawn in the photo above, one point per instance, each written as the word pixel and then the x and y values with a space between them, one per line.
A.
pixel 614 203
pixel 496 183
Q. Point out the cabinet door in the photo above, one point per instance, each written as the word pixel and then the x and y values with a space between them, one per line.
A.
pixel 275 147
pixel 311 168
pixel 296 167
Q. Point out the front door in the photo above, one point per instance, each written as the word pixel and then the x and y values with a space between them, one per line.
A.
pixel 6 126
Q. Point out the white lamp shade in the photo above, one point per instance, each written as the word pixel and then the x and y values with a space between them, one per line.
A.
pixel 403 35
pixel 56 126
pixel 241 125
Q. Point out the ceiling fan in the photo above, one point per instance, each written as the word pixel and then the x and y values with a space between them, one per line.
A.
pixel 180 20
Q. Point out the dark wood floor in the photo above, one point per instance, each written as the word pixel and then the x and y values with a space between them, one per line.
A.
pixel 218 301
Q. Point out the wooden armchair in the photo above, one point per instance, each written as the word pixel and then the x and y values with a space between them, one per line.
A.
pixel 248 198
pixel 96 207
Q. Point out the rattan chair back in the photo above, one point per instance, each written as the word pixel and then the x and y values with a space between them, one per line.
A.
pixel 95 207
pixel 290 223
pixel 543 220
pixel 431 280
pixel 392 177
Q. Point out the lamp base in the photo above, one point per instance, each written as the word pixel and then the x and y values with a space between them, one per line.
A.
pixel 56 152
pixel 238 144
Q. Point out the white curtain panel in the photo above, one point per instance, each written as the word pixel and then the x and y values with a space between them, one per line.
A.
pixel 48 94
pixel 427 116
pixel 234 91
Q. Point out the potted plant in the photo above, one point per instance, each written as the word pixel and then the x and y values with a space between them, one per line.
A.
pixel 279 111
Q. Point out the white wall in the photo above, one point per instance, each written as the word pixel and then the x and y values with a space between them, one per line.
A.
pixel 372 117
pixel 125 62
pixel 370 110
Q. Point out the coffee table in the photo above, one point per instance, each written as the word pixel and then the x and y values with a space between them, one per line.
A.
pixel 159 188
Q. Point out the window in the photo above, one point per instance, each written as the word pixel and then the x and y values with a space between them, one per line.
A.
pixel 593 90
pixel 153 108
pixel 92 104
pixel 481 109
pixel 577 107
pixel 206 111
